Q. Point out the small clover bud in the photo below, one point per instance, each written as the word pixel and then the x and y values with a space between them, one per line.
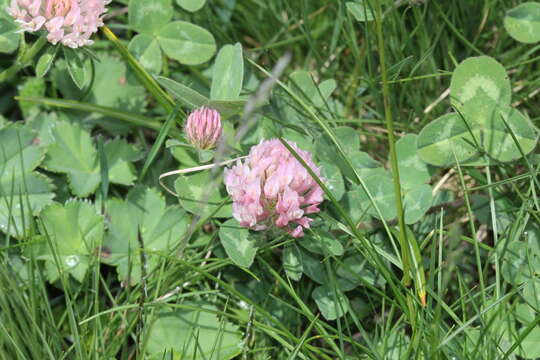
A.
pixel 203 128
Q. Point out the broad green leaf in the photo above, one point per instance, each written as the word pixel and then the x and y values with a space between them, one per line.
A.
pixel 148 17
pixel 26 275
pixel 381 189
pixel 239 245
pixel 74 154
pixel 348 138
pixel 365 166
pixel 205 156
pixel 505 332
pixel 188 43
pixel 395 346
pixel 61 79
pixel 292 262
pixel 76 67
pixel 115 87
pixel 322 243
pixel 525 312
pixel 193 330
pixel 417 202
pixel 326 151
pixel 189 156
pixel 186 95
pixel 531 293
pixel 121 149
pixel 228 73
pixel 333 179
pixel 227 108
pixel 480 74
pixel 19 151
pixel 261 131
pixel 305 87
pixel 9 38
pixel 226 11
pixel 451 134
pixel 45 61
pixel 121 247
pixel 360 10
pixel 333 304
pixel 498 140
pixel 32 86
pixel 531 344
pixel 504 209
pixel 193 99
pixel 42 124
pixel 533 239
pixel 185 156
pixel 312 266
pixel 229 137
pixel 146 49
pixel 523 22
pixel 16 194
pixel 354 270
pixel 75 230
pixel 203 194
pixel 412 170
pixel 447 139
pixel 162 229
pixel 120 155
pixel 518 263
pixel 191 5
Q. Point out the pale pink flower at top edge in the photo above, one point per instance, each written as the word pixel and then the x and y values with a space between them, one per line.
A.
pixel 203 128
pixel 69 22
pixel 271 188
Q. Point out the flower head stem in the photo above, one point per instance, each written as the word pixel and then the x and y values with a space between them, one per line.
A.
pixel 23 60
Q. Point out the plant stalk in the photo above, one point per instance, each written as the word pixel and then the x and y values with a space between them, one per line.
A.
pixel 144 77
pixel 23 60
pixel 405 255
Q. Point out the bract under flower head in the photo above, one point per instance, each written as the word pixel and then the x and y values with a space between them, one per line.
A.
pixel 272 188
pixel 203 128
pixel 70 22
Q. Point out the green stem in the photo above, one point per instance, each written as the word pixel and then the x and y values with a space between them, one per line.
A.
pixel 144 77
pixel 23 60
pixel 473 232
pixel 493 211
pixel 405 256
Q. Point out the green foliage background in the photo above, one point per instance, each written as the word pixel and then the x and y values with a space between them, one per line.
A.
pixel 428 242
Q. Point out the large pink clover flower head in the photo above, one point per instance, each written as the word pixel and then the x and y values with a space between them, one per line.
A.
pixel 272 188
pixel 70 22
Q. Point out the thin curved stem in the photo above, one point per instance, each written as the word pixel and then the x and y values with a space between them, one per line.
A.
pixel 193 169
